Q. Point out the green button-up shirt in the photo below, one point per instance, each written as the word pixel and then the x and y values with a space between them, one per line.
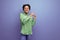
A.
pixel 27 23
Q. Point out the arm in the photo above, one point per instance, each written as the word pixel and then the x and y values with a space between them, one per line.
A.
pixel 33 22
pixel 24 18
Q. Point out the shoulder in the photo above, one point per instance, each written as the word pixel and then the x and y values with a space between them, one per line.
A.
pixel 21 14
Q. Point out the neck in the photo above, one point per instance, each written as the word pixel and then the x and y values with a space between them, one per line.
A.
pixel 25 13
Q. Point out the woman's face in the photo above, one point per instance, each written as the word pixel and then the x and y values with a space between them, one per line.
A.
pixel 26 9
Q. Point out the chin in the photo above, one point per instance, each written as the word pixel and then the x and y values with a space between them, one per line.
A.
pixel 26 12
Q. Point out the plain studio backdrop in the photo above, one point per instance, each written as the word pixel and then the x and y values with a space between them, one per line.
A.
pixel 47 25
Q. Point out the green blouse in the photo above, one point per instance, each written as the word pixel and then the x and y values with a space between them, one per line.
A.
pixel 27 23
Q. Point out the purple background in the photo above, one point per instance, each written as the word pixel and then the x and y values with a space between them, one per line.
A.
pixel 47 25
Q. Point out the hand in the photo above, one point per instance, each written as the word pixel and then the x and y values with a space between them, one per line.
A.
pixel 33 15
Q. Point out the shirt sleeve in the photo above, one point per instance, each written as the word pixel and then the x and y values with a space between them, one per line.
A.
pixel 24 18
pixel 33 21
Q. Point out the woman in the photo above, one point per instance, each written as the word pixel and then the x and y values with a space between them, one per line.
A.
pixel 27 21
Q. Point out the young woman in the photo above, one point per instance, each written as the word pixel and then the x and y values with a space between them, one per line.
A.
pixel 27 21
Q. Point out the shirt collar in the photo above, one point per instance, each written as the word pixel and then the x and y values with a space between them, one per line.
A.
pixel 25 13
